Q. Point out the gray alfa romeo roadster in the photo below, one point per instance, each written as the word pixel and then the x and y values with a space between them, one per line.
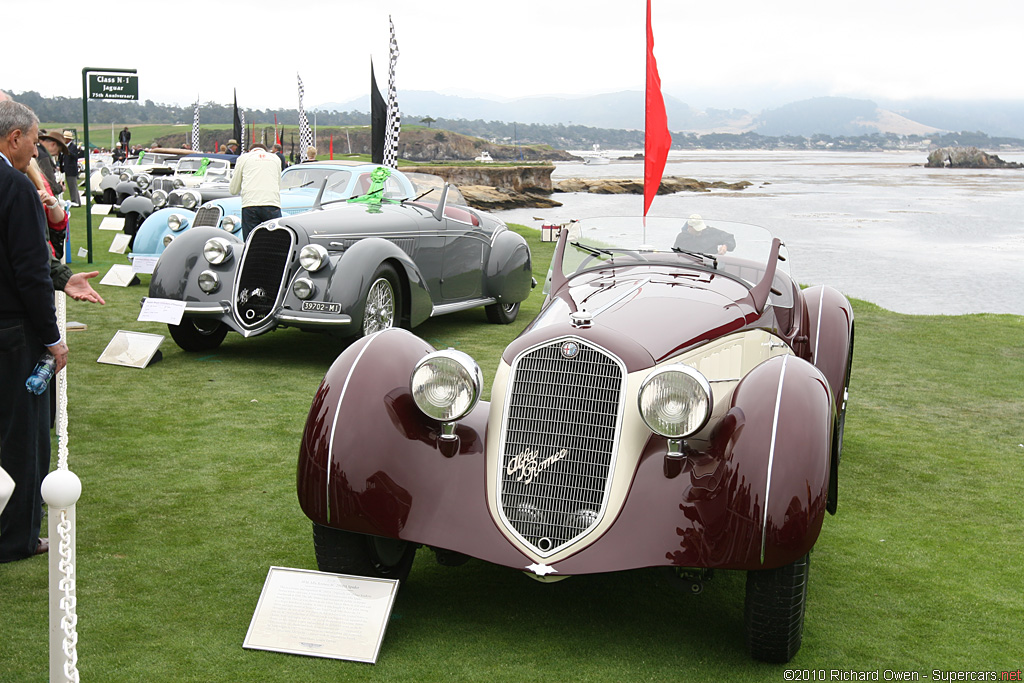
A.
pixel 393 256
pixel 679 405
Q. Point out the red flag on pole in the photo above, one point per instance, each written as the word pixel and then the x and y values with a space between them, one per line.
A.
pixel 657 139
pixel 216 147
pixel 332 146
pixel 277 137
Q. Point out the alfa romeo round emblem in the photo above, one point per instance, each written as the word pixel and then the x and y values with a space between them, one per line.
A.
pixel 570 349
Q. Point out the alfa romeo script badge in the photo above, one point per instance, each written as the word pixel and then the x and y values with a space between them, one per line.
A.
pixel 570 349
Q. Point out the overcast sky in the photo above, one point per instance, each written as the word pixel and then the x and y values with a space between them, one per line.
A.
pixel 734 53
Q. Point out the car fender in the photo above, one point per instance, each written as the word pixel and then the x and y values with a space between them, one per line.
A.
pixel 149 240
pixel 172 278
pixel 371 462
pixel 509 268
pixel 830 334
pixel 110 182
pixel 350 279
pixel 140 204
pixel 781 450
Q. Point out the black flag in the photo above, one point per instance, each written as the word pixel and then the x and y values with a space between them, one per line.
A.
pixel 238 132
pixel 378 120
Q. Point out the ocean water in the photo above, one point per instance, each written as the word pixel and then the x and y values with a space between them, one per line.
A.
pixel 877 226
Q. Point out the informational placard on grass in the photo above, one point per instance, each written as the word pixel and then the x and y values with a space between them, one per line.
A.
pixel 112 223
pixel 120 243
pixel 119 275
pixel 100 209
pixel 132 349
pixel 305 612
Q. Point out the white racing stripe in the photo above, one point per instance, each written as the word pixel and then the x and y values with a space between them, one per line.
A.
pixel 771 458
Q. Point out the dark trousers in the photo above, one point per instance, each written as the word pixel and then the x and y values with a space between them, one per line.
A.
pixel 254 215
pixel 24 440
pixel 71 182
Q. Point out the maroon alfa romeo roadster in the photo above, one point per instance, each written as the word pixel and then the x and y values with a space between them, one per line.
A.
pixel 676 405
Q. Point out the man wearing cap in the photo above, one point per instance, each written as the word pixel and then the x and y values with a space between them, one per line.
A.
pixel 69 164
pixel 51 146
pixel 696 235
pixel 257 178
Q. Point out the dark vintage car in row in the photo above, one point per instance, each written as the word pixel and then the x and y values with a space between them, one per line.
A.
pixel 392 256
pixel 673 407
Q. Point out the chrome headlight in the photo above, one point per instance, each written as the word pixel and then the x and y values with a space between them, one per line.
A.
pixel 159 198
pixel 144 181
pixel 190 200
pixel 178 183
pixel 446 385
pixel 168 239
pixel 176 222
pixel 104 171
pixel 304 288
pixel 675 401
pixel 125 176
pixel 230 223
pixel 313 257
pixel 209 282
pixel 217 250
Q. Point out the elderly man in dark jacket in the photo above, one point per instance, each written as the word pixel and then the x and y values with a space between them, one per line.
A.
pixel 28 328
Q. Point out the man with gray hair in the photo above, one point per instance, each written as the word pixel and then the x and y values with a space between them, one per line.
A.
pixel 28 329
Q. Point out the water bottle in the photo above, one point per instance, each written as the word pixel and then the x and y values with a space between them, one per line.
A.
pixel 40 377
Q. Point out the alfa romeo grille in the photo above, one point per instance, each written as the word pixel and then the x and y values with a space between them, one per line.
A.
pixel 560 431
pixel 261 275
pixel 208 216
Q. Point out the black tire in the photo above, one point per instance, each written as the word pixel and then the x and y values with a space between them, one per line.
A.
pixel 775 603
pixel 346 552
pixel 382 307
pixel 837 435
pixel 502 314
pixel 198 335
pixel 109 196
pixel 132 221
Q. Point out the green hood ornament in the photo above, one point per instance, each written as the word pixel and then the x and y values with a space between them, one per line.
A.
pixel 374 197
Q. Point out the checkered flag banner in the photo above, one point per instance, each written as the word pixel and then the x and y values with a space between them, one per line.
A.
pixel 305 132
pixel 394 125
pixel 245 138
pixel 195 126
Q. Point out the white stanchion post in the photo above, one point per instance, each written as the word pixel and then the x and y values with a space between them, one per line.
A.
pixel 61 490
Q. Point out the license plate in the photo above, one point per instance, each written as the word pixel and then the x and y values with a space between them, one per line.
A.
pixel 321 307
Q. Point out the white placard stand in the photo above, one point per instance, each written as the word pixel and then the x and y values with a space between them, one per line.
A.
pixel 119 275
pixel 112 223
pixel 305 612
pixel 132 349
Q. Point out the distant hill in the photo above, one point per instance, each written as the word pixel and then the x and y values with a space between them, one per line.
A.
pixel 620 110
pixel 835 116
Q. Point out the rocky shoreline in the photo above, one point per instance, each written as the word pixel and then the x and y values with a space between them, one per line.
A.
pixel 493 188
pixel 966 157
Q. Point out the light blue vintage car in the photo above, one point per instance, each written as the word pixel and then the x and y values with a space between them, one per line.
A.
pixel 300 186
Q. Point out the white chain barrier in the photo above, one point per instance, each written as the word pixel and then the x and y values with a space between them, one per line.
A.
pixel 61 490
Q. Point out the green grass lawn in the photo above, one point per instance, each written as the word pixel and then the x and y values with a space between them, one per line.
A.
pixel 188 472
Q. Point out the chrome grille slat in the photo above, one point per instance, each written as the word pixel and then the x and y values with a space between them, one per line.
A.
pixel 261 274
pixel 207 216
pixel 558 439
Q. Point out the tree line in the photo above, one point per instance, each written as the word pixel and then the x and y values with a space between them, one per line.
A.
pixel 560 136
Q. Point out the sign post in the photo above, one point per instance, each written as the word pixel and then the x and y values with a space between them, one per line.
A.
pixel 104 85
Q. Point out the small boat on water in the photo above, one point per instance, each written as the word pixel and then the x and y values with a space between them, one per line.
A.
pixel 484 156
pixel 597 158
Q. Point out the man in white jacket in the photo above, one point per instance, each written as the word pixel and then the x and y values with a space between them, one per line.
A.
pixel 257 178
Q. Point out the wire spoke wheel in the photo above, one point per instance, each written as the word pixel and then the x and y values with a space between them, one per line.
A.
pixel 380 307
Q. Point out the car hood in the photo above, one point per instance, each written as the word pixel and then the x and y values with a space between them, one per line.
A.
pixel 662 310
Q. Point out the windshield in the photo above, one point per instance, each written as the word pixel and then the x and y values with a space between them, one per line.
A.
pixel 432 185
pixel 189 164
pixel 313 177
pixel 736 249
